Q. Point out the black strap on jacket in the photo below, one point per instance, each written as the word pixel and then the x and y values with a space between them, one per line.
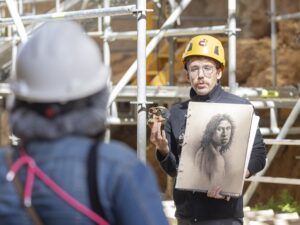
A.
pixel 92 181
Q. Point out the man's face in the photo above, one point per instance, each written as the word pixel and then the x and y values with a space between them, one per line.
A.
pixel 203 74
pixel 222 134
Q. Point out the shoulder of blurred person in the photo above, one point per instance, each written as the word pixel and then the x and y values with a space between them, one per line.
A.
pixel 125 183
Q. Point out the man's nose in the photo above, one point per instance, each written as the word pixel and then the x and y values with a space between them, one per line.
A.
pixel 200 73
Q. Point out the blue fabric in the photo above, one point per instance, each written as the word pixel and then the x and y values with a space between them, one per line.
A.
pixel 127 187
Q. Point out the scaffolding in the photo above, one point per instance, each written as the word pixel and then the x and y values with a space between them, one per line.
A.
pixel 283 132
pixel 139 10
pixel 142 95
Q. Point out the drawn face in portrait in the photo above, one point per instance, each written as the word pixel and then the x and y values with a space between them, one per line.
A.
pixel 219 133
pixel 222 134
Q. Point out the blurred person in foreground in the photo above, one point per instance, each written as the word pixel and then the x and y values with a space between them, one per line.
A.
pixel 67 174
pixel 204 62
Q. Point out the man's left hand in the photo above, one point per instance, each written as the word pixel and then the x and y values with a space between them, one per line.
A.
pixel 215 192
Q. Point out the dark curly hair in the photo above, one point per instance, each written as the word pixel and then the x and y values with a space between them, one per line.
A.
pixel 211 128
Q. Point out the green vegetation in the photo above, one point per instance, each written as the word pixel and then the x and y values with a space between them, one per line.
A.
pixel 284 203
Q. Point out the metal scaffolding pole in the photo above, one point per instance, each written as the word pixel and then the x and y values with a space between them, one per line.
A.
pixel 150 47
pixel 20 7
pixel 107 28
pixel 12 7
pixel 80 14
pixel 141 81
pixel 273 43
pixel 4 47
pixel 174 32
pixel 232 45
pixel 2 2
pixel 274 149
pixel 57 6
pixel 288 16
pixel 171 60
pixel 282 142
pixel 14 53
pixel 276 180
pixel 106 58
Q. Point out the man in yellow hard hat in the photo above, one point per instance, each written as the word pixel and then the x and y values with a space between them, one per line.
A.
pixel 204 62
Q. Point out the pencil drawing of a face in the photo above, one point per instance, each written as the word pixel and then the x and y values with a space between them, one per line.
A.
pixel 219 132
pixel 222 133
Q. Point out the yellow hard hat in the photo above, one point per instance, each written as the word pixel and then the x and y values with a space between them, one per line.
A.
pixel 205 45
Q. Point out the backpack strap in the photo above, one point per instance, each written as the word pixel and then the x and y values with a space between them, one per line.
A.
pixel 92 180
pixel 20 189
pixel 34 170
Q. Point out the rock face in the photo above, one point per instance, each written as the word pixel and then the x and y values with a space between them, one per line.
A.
pixel 254 58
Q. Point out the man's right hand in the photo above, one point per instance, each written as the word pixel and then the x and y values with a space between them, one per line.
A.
pixel 158 138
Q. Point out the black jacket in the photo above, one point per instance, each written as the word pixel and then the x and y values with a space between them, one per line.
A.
pixel 195 205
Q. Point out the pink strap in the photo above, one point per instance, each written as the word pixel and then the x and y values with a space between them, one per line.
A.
pixel 32 171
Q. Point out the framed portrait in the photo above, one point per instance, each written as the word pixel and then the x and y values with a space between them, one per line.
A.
pixel 217 145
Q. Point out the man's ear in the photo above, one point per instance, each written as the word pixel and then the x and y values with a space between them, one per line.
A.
pixel 219 74
pixel 186 72
pixel 187 75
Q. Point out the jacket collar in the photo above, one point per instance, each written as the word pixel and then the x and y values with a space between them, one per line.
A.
pixel 210 97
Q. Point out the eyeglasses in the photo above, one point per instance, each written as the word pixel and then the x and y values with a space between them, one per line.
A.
pixel 206 70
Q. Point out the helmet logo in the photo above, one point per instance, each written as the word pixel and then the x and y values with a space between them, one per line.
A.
pixel 203 42
pixel 216 51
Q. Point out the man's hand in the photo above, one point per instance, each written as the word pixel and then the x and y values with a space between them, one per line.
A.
pixel 158 138
pixel 214 192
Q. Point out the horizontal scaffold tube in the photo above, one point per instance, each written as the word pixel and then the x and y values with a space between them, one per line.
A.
pixel 81 14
